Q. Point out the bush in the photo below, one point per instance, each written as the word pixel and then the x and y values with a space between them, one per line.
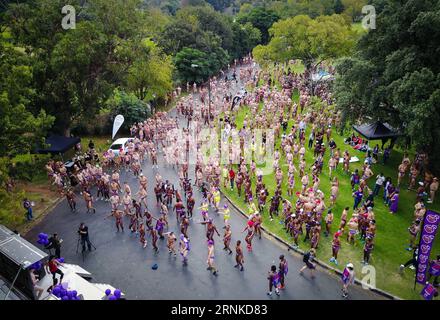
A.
pixel 12 213
pixel 133 109
pixel 27 167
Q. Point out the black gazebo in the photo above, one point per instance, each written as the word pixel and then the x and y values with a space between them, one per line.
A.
pixel 58 145
pixel 378 131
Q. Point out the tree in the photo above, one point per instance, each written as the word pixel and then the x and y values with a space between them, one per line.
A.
pixel 245 38
pixel 338 7
pixel 133 109
pixel 20 130
pixel 192 65
pixel 394 75
pixel 75 70
pixel 309 40
pixel 150 72
pixel 262 19
pixel 353 8
pixel 220 5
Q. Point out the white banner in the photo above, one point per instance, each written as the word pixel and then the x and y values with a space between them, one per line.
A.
pixel 119 120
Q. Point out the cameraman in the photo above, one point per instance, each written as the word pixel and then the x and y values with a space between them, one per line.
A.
pixel 83 232
pixel 55 243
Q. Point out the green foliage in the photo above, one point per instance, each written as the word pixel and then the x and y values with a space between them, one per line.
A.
pixel 12 212
pixel 309 40
pixel 75 70
pixel 245 38
pixel 20 129
pixel 196 27
pixel 262 19
pixel 338 6
pixel 131 107
pixel 219 5
pixel 394 75
pixel 150 72
pixel 353 8
pixel 192 65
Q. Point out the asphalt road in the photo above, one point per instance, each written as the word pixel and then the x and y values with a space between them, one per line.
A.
pixel 121 261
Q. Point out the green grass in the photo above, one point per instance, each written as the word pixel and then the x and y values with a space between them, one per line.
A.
pixel 101 143
pixel 392 235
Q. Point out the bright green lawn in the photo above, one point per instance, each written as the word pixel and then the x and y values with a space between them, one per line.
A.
pixel 392 235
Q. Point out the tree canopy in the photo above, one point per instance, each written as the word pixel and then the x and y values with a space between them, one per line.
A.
pixel 309 40
pixel 394 74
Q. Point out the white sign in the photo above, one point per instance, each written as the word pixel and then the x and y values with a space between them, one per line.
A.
pixel 119 120
pixel 69 20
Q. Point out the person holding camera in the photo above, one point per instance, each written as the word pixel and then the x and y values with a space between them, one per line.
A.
pixel 83 232
pixel 55 243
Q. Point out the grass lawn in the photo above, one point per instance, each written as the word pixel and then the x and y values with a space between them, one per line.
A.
pixel 392 235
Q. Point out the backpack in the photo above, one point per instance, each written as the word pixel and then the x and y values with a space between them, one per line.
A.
pixel 306 257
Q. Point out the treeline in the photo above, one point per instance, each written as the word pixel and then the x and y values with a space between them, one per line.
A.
pixel 121 52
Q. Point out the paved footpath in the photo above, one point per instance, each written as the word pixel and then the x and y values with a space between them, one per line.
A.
pixel 121 261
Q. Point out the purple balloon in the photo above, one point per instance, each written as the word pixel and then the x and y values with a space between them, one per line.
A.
pixel 117 293
pixel 69 294
pixel 56 291
pixel 112 297
pixel 107 292
pixel 61 259
pixel 74 293
pixel 65 298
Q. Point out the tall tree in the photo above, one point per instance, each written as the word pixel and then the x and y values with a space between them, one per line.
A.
pixel 150 72
pixel 309 40
pixel 20 129
pixel 75 70
pixel 395 75
pixel 262 19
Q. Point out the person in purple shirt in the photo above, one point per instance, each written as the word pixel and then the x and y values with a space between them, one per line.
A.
pixel 394 202
pixel 357 198
pixel 390 192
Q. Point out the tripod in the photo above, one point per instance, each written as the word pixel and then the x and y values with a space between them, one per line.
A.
pixel 82 251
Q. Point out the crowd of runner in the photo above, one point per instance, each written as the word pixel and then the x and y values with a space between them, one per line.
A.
pixel 306 214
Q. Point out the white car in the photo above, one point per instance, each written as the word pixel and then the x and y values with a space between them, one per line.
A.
pixel 119 144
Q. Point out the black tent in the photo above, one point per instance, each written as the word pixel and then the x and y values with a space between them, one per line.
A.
pixel 59 144
pixel 377 131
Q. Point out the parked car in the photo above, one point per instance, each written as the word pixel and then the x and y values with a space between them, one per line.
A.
pixel 120 145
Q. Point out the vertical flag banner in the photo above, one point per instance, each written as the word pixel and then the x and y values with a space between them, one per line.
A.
pixel 427 236
pixel 428 292
pixel 119 120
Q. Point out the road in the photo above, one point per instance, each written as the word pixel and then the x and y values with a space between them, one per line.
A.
pixel 121 261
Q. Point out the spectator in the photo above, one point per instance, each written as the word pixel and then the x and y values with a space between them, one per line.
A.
pixel 380 179
pixel 28 206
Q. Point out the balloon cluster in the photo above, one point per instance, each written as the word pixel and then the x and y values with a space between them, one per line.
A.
pixel 43 239
pixel 36 266
pixel 60 292
pixel 115 296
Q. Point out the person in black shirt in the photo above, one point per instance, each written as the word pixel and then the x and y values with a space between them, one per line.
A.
pixel 83 232
pixel 55 243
